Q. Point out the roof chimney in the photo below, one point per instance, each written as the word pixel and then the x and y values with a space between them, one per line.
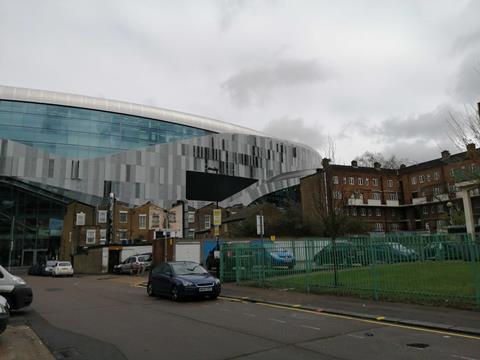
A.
pixel 445 155
pixel 470 147
pixel 354 163
pixel 376 165
pixel 325 162
pixel 403 166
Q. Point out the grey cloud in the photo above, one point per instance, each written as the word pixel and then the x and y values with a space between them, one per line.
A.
pixel 418 150
pixel 467 86
pixel 228 11
pixel 295 129
pixel 253 85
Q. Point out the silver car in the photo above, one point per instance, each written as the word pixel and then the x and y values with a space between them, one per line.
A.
pixel 133 265
pixel 4 313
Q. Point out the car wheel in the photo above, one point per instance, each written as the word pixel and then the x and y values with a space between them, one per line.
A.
pixel 174 295
pixel 150 289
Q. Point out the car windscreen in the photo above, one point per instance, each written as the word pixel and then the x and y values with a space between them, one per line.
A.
pixel 188 268
pixel 64 264
pixel 51 263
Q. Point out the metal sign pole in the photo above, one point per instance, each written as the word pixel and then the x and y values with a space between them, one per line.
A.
pixel 12 229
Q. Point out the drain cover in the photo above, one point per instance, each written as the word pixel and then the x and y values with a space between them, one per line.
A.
pixel 54 289
pixel 418 345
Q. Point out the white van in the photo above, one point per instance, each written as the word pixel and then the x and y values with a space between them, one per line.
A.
pixel 15 290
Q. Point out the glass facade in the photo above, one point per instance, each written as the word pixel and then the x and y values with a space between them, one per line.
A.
pixel 83 133
pixel 35 222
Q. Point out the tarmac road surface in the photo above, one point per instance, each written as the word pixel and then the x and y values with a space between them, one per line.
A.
pixel 89 318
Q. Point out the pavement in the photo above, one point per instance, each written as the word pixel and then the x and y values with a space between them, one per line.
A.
pixel 438 318
pixel 24 338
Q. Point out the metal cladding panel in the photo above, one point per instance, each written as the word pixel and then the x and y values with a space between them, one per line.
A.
pixel 213 187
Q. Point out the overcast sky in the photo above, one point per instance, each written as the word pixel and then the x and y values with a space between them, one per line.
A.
pixel 373 75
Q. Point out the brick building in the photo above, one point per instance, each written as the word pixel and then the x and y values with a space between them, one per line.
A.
pixel 411 198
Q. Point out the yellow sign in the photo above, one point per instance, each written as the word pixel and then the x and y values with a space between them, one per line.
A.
pixel 273 237
pixel 216 231
pixel 217 217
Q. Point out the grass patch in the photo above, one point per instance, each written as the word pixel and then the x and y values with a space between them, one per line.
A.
pixel 431 282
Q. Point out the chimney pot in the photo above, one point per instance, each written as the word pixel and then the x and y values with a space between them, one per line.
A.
pixel 325 162
pixel 403 166
pixel 354 163
pixel 376 165
pixel 445 154
pixel 471 147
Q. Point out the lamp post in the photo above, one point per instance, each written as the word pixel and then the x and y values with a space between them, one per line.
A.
pixel 449 206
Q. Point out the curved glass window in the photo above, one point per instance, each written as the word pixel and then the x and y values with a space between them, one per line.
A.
pixel 84 133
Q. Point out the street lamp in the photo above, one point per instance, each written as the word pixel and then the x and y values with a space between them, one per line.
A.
pixel 449 206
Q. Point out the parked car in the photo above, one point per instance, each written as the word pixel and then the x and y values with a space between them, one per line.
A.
pixel 62 268
pixel 148 260
pixel 349 254
pixel 182 279
pixel 36 269
pixel 452 250
pixel 48 269
pixel 4 314
pixel 15 290
pixel 268 253
pixel 133 264
pixel 392 252
pixel 345 253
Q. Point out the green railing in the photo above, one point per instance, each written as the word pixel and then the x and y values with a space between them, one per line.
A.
pixel 432 269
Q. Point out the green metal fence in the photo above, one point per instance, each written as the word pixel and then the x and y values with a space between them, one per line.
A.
pixel 440 269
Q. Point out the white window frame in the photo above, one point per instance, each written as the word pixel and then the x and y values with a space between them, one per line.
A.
pixel 375 182
pixel 376 195
pixel 354 211
pixel 102 216
pixel 144 225
pixel 367 181
pixel 421 179
pixel 392 196
pixel 425 210
pixel 191 217
pixel 378 226
pixel 351 181
pixel 90 236
pixel 103 234
pixel 207 221
pixel 120 232
pixel 436 175
pixel 335 180
pixel 80 219
pixel 363 212
pixel 344 180
pixel 155 224
pixel 378 212
pixel 390 183
pixel 413 180
pixel 121 214
pixel 360 181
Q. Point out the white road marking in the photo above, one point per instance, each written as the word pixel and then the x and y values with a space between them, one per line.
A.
pixel 356 336
pixel 462 357
pixel 277 320
pixel 310 327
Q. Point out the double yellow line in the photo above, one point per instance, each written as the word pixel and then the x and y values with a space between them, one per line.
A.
pixel 378 321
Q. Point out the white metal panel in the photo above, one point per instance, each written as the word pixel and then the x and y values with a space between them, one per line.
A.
pixel 187 251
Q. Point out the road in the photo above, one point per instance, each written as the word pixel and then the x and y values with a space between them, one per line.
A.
pixel 89 318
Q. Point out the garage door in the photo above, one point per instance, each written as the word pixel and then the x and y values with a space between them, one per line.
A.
pixel 187 251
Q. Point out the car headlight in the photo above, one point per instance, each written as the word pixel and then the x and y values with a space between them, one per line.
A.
pixel 186 282
pixel 3 309
pixel 217 282
pixel 18 280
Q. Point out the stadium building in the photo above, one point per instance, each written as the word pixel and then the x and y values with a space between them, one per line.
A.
pixel 56 148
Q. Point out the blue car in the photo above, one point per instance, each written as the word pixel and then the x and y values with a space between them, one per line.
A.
pixel 270 253
pixel 182 279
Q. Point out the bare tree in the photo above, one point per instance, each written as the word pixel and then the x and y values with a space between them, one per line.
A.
pixel 369 158
pixel 466 129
